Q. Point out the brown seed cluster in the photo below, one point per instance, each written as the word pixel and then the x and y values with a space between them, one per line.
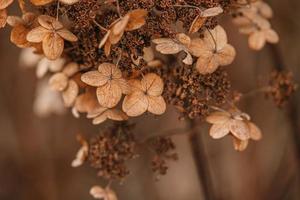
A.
pixel 282 86
pixel 110 150
pixel 164 151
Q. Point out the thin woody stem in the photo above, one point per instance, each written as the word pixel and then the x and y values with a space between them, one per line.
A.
pixel 201 161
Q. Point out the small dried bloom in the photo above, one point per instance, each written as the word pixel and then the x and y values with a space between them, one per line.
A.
pixel 103 193
pixel 44 2
pixel 61 82
pixel 45 65
pixel 109 82
pixel 3 13
pixel 200 20
pixel 21 27
pixel 235 123
pixel 52 34
pixel 212 51
pixel 133 20
pixel 145 96
pixel 81 154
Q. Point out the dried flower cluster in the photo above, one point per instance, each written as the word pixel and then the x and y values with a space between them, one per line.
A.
pixel 119 59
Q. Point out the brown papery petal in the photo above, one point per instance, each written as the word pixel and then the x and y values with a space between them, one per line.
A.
pixel 119 27
pixel 218 117
pixel 41 2
pixel 70 94
pixel 135 85
pixel 3 18
pixel 5 3
pixel 114 39
pixel 218 131
pixel 211 12
pixel 188 60
pixel 123 84
pixel 271 36
pixel 116 115
pixel 184 39
pixel 100 119
pixel 58 82
pixel 157 105
pixel 135 104
pixel 71 69
pixel 104 39
pixel 18 36
pixel 86 102
pixel 226 55
pixel 162 40
pixel 216 38
pixel 255 132
pixel 239 129
pixel 67 35
pixel 240 145
pixel 152 84
pixel 37 34
pixel 169 48
pixel 257 40
pixel 49 22
pixel 264 9
pixel 109 95
pixel 69 2
pixel 136 20
pixel 197 24
pixel 107 48
pixel 94 78
pixel 98 192
pixel 207 63
pixel 98 110
pixel 13 20
pixel 110 70
pixel 196 47
pixel 53 46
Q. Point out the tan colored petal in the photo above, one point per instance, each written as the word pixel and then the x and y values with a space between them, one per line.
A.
pixel 70 94
pixel 207 63
pixel 94 78
pixel 157 105
pixel 196 47
pixel 218 117
pixel 107 48
pixel 53 46
pixel 264 9
pixel 98 110
pixel 220 130
pixel 69 2
pixel 239 129
pixel 3 18
pixel 153 84
pixel 216 38
pixel 135 104
pixel 148 54
pixel 247 30
pixel 197 24
pixel 257 40
pixel 81 155
pixel 120 26
pixel 135 85
pixel 271 36
pixel 123 84
pixel 18 36
pixel 188 60
pixel 226 55
pixel 13 20
pixel 109 95
pixel 116 115
pixel 114 39
pixel 86 102
pixel 104 39
pixel 240 145
pixel 184 39
pixel 5 3
pixel 100 119
pixel 49 23
pixel 67 35
pixel 241 21
pixel 70 69
pixel 211 12
pixel 169 48
pixel 261 22
pixel 58 82
pixel 136 19
pixel 37 34
pixel 98 193
pixel 162 40
pixel 41 2
pixel 255 132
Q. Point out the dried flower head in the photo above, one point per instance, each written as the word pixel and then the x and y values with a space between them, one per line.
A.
pixel 103 193
pixel 3 13
pixel 82 152
pixel 235 123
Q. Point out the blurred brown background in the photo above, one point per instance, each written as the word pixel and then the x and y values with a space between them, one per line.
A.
pixel 35 154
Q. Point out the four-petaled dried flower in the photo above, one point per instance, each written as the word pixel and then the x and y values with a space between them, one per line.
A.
pixel 103 193
pixel 52 34
pixel 237 124
pixel 133 20
pixel 61 82
pixel 212 51
pixel 3 13
pixel 145 95
pixel 109 82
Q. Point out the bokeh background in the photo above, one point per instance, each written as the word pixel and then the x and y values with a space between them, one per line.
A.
pixel 35 153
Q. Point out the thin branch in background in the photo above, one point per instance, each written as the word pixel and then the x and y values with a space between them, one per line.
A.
pixel 201 161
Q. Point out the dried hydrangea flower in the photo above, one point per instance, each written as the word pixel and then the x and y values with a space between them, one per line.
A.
pixel 44 2
pixel 145 96
pixel 85 102
pixel 21 27
pixel 235 123
pixel 82 153
pixel 109 82
pixel 3 13
pixel 133 20
pixel 253 21
pixel 47 101
pixel 103 193
pixel 45 65
pixel 200 20
pixel 52 34
pixel 61 82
